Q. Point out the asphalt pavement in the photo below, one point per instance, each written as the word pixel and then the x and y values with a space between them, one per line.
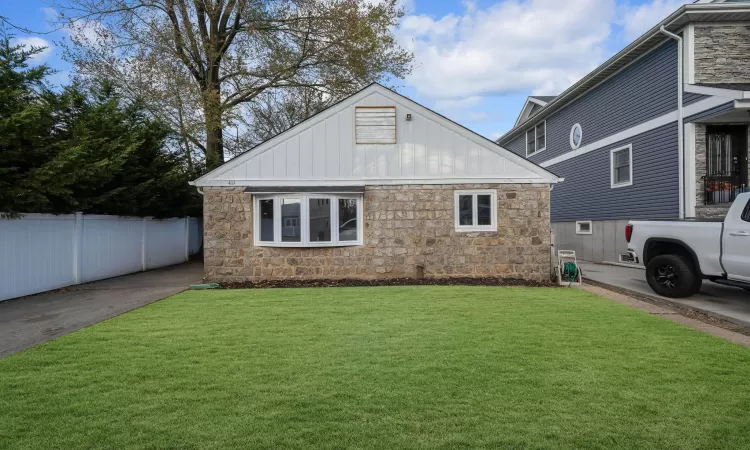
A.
pixel 32 320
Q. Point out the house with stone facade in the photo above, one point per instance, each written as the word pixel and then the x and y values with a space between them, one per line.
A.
pixel 377 186
pixel 659 131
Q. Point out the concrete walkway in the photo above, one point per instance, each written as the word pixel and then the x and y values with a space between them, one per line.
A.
pixel 28 321
pixel 728 303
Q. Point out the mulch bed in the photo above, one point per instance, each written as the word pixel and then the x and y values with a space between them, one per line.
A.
pixel 457 281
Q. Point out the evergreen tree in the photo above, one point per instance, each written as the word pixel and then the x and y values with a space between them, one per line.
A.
pixel 24 124
pixel 83 150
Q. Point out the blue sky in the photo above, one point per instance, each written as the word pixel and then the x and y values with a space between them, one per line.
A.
pixel 476 61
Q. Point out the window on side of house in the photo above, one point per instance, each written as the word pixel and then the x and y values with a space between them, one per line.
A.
pixel 536 139
pixel 375 124
pixel 746 213
pixel 621 166
pixel 584 227
pixel 475 210
pixel 307 220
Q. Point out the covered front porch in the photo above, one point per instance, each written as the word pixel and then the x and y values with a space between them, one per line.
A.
pixel 722 164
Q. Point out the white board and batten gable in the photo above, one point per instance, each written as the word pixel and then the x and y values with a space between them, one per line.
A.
pixel 376 137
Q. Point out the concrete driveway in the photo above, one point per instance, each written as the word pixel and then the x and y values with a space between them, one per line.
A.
pixel 28 321
pixel 729 303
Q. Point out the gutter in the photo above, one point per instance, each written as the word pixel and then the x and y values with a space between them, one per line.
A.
pixel 680 118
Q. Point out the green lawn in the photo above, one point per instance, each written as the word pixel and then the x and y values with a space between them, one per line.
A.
pixel 386 368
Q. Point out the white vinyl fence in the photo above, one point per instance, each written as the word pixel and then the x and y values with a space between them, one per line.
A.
pixel 40 252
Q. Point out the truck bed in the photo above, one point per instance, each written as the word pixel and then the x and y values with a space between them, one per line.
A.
pixel 702 236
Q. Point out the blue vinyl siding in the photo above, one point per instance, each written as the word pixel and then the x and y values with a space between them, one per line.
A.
pixel 518 145
pixel 586 193
pixel 642 91
pixel 689 98
pixel 711 112
pixel 534 109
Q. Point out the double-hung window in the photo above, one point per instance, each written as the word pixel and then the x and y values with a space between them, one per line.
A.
pixel 536 139
pixel 475 210
pixel 307 220
pixel 621 161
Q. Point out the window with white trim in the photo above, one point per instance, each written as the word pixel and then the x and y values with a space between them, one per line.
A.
pixel 475 210
pixel 621 165
pixel 584 227
pixel 307 220
pixel 536 139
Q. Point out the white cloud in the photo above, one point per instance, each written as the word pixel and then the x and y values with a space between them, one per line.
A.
pixel 495 135
pixel 541 46
pixel 88 31
pixel 637 19
pixel 35 41
pixel 463 103
pixel 463 109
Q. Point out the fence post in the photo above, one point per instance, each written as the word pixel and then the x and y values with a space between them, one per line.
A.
pixel 143 244
pixel 77 247
pixel 187 238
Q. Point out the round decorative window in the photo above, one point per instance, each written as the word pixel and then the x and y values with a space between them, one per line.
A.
pixel 576 136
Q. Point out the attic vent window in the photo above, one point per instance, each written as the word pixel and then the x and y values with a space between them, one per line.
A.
pixel 375 124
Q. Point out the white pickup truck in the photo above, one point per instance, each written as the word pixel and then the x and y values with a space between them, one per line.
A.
pixel 680 254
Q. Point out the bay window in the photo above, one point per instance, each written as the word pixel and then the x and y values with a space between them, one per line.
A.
pixel 307 220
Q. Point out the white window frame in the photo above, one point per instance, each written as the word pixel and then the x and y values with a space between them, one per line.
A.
pixel 305 219
pixel 581 222
pixel 536 136
pixel 493 211
pixel 612 152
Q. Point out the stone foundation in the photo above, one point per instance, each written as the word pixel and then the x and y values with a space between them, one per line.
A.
pixel 722 53
pixel 712 211
pixel 404 226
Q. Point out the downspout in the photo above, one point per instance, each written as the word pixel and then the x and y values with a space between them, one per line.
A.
pixel 200 191
pixel 680 119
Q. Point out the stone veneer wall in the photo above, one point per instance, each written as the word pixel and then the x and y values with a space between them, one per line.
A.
pixel 722 53
pixel 700 163
pixel 404 226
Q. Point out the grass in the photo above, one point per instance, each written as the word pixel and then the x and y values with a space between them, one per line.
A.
pixel 390 367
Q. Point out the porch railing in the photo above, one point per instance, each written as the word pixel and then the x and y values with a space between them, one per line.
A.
pixel 720 188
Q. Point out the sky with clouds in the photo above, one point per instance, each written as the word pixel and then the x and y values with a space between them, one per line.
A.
pixel 475 61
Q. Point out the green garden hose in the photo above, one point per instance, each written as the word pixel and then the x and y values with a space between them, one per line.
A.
pixel 570 272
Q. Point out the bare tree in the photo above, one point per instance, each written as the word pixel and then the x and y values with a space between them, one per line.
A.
pixel 206 65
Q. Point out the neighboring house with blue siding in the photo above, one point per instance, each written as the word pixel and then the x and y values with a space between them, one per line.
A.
pixel 659 131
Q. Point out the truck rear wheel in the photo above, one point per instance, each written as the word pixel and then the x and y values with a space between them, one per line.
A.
pixel 672 276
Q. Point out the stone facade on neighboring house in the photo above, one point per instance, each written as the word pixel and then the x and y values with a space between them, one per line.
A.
pixel 702 210
pixel 722 53
pixel 700 163
pixel 404 227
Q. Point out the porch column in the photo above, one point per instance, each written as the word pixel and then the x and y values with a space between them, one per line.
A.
pixel 692 176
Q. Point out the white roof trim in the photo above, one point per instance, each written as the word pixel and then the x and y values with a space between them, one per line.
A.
pixel 717 91
pixel 348 182
pixel 526 110
pixel 544 175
